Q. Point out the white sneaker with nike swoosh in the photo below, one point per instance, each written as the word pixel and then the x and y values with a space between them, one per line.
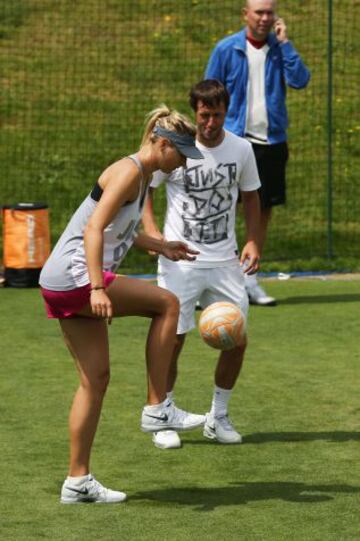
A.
pixel 166 439
pixel 169 417
pixel 221 429
pixel 89 491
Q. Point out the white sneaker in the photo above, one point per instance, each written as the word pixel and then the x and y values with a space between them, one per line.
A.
pixel 170 418
pixel 220 429
pixel 258 296
pixel 166 439
pixel 89 491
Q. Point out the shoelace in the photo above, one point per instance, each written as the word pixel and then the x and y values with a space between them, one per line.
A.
pixel 176 413
pixel 96 487
pixel 225 422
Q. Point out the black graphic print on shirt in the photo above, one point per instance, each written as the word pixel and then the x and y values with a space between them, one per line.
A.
pixel 205 214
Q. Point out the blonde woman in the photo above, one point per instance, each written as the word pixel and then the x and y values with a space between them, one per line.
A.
pixel 81 289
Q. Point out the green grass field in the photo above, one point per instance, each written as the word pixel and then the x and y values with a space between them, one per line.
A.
pixel 295 477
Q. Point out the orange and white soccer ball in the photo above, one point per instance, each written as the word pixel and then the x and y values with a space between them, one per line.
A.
pixel 222 325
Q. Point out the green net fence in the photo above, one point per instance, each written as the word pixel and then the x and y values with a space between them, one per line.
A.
pixel 77 78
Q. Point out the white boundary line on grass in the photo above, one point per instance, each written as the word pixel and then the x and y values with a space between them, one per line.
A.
pixel 316 275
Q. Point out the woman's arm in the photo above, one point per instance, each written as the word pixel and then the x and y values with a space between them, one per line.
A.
pixel 173 250
pixel 120 183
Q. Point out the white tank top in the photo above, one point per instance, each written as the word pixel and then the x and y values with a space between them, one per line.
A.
pixel 66 266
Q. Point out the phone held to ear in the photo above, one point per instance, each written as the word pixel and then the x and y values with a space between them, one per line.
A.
pixel 277 24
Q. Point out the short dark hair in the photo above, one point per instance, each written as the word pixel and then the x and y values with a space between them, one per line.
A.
pixel 211 92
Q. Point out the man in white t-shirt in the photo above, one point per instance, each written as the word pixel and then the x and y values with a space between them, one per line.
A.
pixel 201 210
pixel 256 65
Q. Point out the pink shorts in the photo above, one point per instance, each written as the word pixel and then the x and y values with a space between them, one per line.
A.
pixel 67 304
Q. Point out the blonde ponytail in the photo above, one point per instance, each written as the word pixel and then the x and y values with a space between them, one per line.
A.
pixel 169 119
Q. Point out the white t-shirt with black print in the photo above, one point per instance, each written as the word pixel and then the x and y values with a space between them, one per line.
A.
pixel 202 200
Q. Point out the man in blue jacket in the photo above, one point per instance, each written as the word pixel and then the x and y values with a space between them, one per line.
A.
pixel 256 64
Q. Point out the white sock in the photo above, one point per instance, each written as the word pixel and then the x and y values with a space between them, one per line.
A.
pixel 250 280
pixel 220 401
pixel 78 480
pixel 156 408
pixel 170 396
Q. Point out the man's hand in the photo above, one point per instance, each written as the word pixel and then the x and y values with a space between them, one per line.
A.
pixel 250 257
pixel 280 30
pixel 176 250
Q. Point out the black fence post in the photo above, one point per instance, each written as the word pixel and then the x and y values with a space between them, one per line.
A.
pixel 330 134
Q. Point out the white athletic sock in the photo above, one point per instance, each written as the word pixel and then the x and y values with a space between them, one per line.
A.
pixel 250 280
pixel 78 480
pixel 220 401
pixel 156 408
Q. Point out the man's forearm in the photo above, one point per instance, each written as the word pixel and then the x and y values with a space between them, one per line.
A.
pixel 252 213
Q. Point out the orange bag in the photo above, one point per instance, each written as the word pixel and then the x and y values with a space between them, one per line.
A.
pixel 26 243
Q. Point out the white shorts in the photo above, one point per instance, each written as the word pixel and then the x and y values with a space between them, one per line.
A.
pixel 192 284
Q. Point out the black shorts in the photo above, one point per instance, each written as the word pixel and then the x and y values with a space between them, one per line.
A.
pixel 271 162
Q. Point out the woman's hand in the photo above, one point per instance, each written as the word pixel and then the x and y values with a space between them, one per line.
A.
pixel 101 304
pixel 176 250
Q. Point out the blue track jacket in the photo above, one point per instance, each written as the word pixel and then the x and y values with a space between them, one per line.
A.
pixel 228 63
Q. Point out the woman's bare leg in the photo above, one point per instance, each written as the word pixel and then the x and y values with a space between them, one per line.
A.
pixel 87 341
pixel 137 297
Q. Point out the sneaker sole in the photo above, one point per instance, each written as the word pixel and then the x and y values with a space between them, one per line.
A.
pixel 152 428
pixel 213 437
pixel 255 303
pixel 71 502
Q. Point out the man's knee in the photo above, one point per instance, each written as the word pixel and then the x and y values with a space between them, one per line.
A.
pixel 235 355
